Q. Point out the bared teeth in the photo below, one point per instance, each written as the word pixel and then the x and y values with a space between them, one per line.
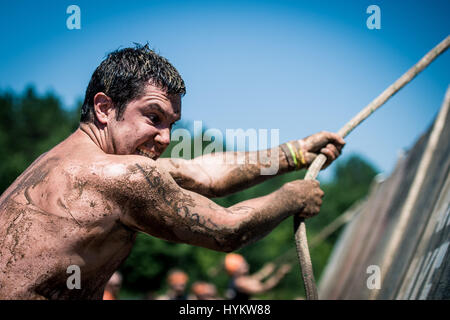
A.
pixel 144 152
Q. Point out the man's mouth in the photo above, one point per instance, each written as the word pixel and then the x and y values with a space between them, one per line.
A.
pixel 146 152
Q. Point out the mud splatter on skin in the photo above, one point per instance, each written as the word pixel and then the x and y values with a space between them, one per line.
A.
pixel 183 204
pixel 14 231
pixel 238 178
pixel 79 185
pixel 65 209
pixel 30 179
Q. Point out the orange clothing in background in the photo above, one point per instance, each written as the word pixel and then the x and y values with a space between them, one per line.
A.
pixel 108 295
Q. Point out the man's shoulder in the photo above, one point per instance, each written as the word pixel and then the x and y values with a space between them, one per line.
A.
pixel 119 166
pixel 115 175
pixel 99 166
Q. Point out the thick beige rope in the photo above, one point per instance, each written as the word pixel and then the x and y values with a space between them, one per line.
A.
pixel 299 223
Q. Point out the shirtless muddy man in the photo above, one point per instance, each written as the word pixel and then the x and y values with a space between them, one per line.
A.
pixel 83 202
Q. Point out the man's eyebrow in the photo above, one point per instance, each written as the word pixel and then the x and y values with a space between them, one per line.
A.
pixel 155 106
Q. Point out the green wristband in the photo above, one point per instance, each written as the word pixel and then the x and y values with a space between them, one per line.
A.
pixel 292 154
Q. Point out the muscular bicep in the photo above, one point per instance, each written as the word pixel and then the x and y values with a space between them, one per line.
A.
pixel 188 174
pixel 214 175
pixel 157 205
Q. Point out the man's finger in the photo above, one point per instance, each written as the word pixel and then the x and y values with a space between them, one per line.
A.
pixel 329 154
pixel 321 139
pixel 334 137
pixel 333 149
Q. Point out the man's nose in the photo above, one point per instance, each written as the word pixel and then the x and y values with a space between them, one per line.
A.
pixel 163 136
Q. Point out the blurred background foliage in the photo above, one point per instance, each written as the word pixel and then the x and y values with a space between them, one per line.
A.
pixel 31 124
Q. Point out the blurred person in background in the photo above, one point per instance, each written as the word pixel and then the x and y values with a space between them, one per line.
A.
pixel 201 290
pixel 113 286
pixel 177 281
pixel 243 285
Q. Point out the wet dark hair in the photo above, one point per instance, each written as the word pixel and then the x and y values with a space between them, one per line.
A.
pixel 122 76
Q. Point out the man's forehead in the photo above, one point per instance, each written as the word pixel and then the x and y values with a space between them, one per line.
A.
pixel 153 94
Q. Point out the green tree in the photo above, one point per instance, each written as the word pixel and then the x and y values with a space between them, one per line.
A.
pixel 29 126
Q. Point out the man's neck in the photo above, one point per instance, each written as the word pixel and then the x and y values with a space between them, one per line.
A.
pixel 97 136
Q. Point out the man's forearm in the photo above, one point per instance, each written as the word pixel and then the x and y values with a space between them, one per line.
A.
pixel 220 174
pixel 259 216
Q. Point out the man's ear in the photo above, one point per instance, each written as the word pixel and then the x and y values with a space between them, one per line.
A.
pixel 103 107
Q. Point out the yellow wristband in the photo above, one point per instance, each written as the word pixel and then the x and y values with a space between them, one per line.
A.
pixel 301 156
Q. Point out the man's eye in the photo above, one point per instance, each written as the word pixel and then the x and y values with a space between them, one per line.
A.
pixel 154 118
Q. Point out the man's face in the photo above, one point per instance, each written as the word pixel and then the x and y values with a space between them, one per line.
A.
pixel 144 128
pixel 179 288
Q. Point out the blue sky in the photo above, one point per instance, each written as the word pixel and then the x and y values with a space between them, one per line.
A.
pixel 297 66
